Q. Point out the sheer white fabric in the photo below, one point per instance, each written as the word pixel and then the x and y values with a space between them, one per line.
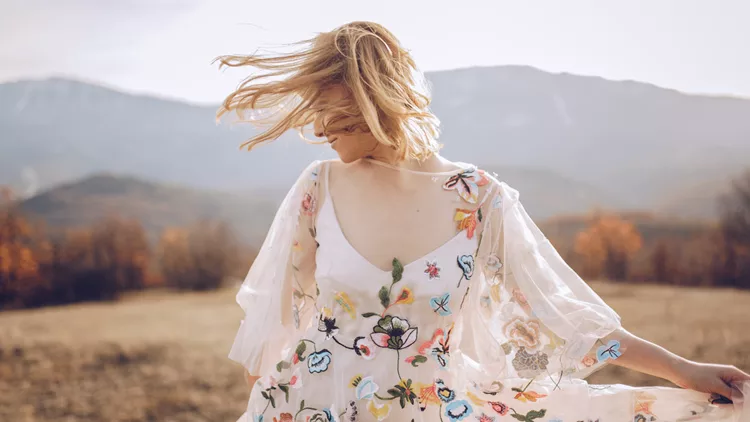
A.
pixel 272 305
pixel 490 322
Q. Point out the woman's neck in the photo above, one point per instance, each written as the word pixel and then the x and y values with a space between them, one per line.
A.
pixel 434 163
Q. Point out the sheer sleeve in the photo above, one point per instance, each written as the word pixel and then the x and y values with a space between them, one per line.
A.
pixel 532 315
pixel 278 294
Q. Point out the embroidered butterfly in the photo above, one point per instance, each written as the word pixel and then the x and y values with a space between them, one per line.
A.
pixel 467 184
pixel 610 351
pixel 439 304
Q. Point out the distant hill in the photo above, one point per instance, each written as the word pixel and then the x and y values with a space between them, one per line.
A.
pixel 156 206
pixel 567 142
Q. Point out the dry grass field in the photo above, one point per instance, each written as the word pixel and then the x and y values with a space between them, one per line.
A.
pixel 159 356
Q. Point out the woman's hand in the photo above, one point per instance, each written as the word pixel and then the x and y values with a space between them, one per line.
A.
pixel 250 379
pixel 710 378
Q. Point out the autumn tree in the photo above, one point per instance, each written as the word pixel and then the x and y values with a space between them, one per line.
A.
pixel 19 240
pixel 607 246
pixel 735 232
pixel 120 248
pixel 198 257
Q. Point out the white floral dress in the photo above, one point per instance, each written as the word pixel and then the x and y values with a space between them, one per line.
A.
pixel 489 326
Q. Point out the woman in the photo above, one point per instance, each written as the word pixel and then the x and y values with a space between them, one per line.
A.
pixel 397 285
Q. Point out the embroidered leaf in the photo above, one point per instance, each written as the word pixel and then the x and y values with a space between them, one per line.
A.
pixel 301 405
pixel 285 389
pixel 300 349
pixel 479 215
pixel 385 297
pixel 418 359
pixel 273 401
pixel 282 365
pixel 264 394
pixel 398 270
pixel 507 348
pixel 534 414
pixel 346 304
pixel 369 314
pixel 519 417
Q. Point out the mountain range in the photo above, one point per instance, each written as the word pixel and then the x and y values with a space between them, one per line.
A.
pixel 568 143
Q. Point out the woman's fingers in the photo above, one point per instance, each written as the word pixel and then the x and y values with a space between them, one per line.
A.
pixel 732 378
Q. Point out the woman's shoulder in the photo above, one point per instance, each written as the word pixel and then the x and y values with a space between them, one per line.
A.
pixel 489 180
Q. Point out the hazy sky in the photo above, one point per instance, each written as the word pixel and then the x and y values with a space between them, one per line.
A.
pixel 166 46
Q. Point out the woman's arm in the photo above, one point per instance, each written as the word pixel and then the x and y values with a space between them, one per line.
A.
pixel 646 357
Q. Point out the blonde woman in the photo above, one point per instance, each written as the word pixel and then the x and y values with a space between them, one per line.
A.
pixel 397 285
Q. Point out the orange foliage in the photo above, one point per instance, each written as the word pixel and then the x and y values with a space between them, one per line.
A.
pixel 607 246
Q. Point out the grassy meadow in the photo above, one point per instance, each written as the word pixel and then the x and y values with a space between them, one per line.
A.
pixel 160 356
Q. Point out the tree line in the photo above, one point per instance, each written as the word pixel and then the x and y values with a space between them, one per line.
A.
pixel 39 267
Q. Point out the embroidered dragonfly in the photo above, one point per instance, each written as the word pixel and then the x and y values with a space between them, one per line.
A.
pixel 439 304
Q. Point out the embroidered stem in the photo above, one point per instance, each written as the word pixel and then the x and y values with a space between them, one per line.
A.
pixel 341 344
pixel 398 364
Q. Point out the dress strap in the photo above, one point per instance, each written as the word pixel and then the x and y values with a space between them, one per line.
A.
pixel 326 165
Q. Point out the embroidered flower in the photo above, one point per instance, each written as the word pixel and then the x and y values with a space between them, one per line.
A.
pixel 432 271
pixel 427 395
pixel 379 411
pixel 404 392
pixel 295 381
pixel 467 184
pixel 526 396
pixel 346 304
pixel 484 418
pixel 318 361
pixel 475 399
pixel 328 326
pixel 466 264
pixel 520 298
pixel 365 388
pixel 405 296
pixel 319 417
pixel 494 387
pixel 497 202
pixel 493 263
pixel 500 408
pixel 640 417
pixel 523 333
pixel 438 347
pixel 364 347
pixel 458 410
pixel 284 417
pixel 588 361
pixel 466 220
pixel 643 402
pixel 526 362
pixel 444 393
pixel 610 351
pixel 439 304
pixel 393 333
pixel 308 204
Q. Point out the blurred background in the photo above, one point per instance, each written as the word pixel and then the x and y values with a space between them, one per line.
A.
pixel 128 216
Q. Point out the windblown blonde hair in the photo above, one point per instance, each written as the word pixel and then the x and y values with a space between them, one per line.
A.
pixel 387 95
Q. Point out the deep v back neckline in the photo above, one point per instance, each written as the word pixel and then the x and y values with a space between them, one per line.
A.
pixel 329 210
